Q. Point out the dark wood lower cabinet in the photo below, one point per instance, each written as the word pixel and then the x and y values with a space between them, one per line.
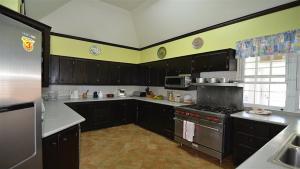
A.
pixel 154 117
pixel 250 136
pixel 61 150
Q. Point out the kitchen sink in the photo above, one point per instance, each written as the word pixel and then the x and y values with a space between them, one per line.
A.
pixel 296 141
pixel 291 157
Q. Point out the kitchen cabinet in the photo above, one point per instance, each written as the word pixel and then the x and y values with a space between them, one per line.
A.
pixel 222 60
pixel 250 136
pixel 157 118
pixel 66 70
pixel 54 70
pixel 61 150
pixel 82 109
pixel 180 65
pixel 79 72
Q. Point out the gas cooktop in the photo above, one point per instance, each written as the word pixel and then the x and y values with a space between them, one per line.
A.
pixel 213 109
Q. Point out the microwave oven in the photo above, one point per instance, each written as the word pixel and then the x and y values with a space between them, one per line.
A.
pixel 178 82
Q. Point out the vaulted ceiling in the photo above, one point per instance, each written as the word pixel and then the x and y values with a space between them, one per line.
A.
pixel 149 21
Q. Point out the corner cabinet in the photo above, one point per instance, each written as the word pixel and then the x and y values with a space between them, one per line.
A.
pixel 61 150
pixel 250 136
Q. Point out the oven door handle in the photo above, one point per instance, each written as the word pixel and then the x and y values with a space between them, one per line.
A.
pixel 215 129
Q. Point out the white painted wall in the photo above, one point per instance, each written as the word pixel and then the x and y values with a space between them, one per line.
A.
pixel 158 20
pixel 94 19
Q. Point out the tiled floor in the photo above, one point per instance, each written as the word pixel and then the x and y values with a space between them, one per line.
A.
pixel 132 147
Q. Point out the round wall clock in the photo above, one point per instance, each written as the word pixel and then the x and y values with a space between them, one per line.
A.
pixel 95 50
pixel 197 43
pixel 161 52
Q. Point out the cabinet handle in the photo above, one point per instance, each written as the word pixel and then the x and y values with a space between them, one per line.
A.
pixel 65 139
pixel 54 143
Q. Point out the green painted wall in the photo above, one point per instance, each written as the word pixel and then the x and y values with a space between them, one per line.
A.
pixel 80 49
pixel 226 37
pixel 222 38
pixel 12 4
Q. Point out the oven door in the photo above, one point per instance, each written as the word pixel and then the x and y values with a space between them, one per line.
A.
pixel 178 127
pixel 209 134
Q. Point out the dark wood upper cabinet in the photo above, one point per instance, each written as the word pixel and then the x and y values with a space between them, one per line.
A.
pixel 54 69
pixel 180 65
pixel 66 66
pixel 67 70
pixel 79 72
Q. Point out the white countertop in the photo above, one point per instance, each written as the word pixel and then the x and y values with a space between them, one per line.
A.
pixel 59 116
pixel 264 157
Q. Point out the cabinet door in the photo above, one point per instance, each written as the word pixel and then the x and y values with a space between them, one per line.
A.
pixel 50 152
pixel 128 74
pixel 157 73
pixel 101 114
pixel 167 122
pixel 131 111
pixel 177 66
pixel 54 70
pixel 143 75
pixel 79 72
pixel 82 109
pixel 69 149
pixel 113 70
pixel 93 69
pixel 66 70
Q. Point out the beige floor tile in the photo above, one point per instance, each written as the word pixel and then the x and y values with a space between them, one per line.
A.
pixel 132 147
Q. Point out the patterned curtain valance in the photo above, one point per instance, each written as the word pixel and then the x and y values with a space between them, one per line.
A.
pixel 286 42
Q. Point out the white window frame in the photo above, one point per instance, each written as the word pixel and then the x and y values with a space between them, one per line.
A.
pixel 292 82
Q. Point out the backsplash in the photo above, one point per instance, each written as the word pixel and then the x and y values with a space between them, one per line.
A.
pixel 231 75
pixel 65 90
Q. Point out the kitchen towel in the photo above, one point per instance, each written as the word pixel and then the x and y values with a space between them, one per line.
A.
pixel 188 130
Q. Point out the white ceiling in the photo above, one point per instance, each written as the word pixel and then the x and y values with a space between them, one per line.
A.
pixel 153 20
pixel 126 4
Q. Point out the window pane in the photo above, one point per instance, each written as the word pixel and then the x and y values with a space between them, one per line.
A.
pixel 263 71
pixel 277 87
pixel 278 64
pixel 262 98
pixel 249 72
pixel 250 59
pixel 249 79
pixel 278 71
pixel 277 99
pixel 250 65
pixel 262 87
pixel 264 64
pixel 248 97
pixel 278 79
pixel 263 79
pixel 249 87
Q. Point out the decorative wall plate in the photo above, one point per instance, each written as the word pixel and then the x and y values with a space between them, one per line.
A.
pixel 161 52
pixel 197 43
pixel 95 50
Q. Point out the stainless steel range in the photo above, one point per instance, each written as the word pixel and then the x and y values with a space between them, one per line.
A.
pixel 206 126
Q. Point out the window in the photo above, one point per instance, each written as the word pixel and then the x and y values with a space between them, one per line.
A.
pixel 265 81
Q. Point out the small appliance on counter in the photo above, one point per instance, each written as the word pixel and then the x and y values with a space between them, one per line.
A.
pixel 97 95
pixel 139 94
pixel 122 93
pixel 110 95
pixel 74 94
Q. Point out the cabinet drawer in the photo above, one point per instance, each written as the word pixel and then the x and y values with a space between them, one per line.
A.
pixel 257 129
pixel 253 142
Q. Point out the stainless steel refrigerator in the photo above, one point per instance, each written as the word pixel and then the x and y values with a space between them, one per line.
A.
pixel 20 95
